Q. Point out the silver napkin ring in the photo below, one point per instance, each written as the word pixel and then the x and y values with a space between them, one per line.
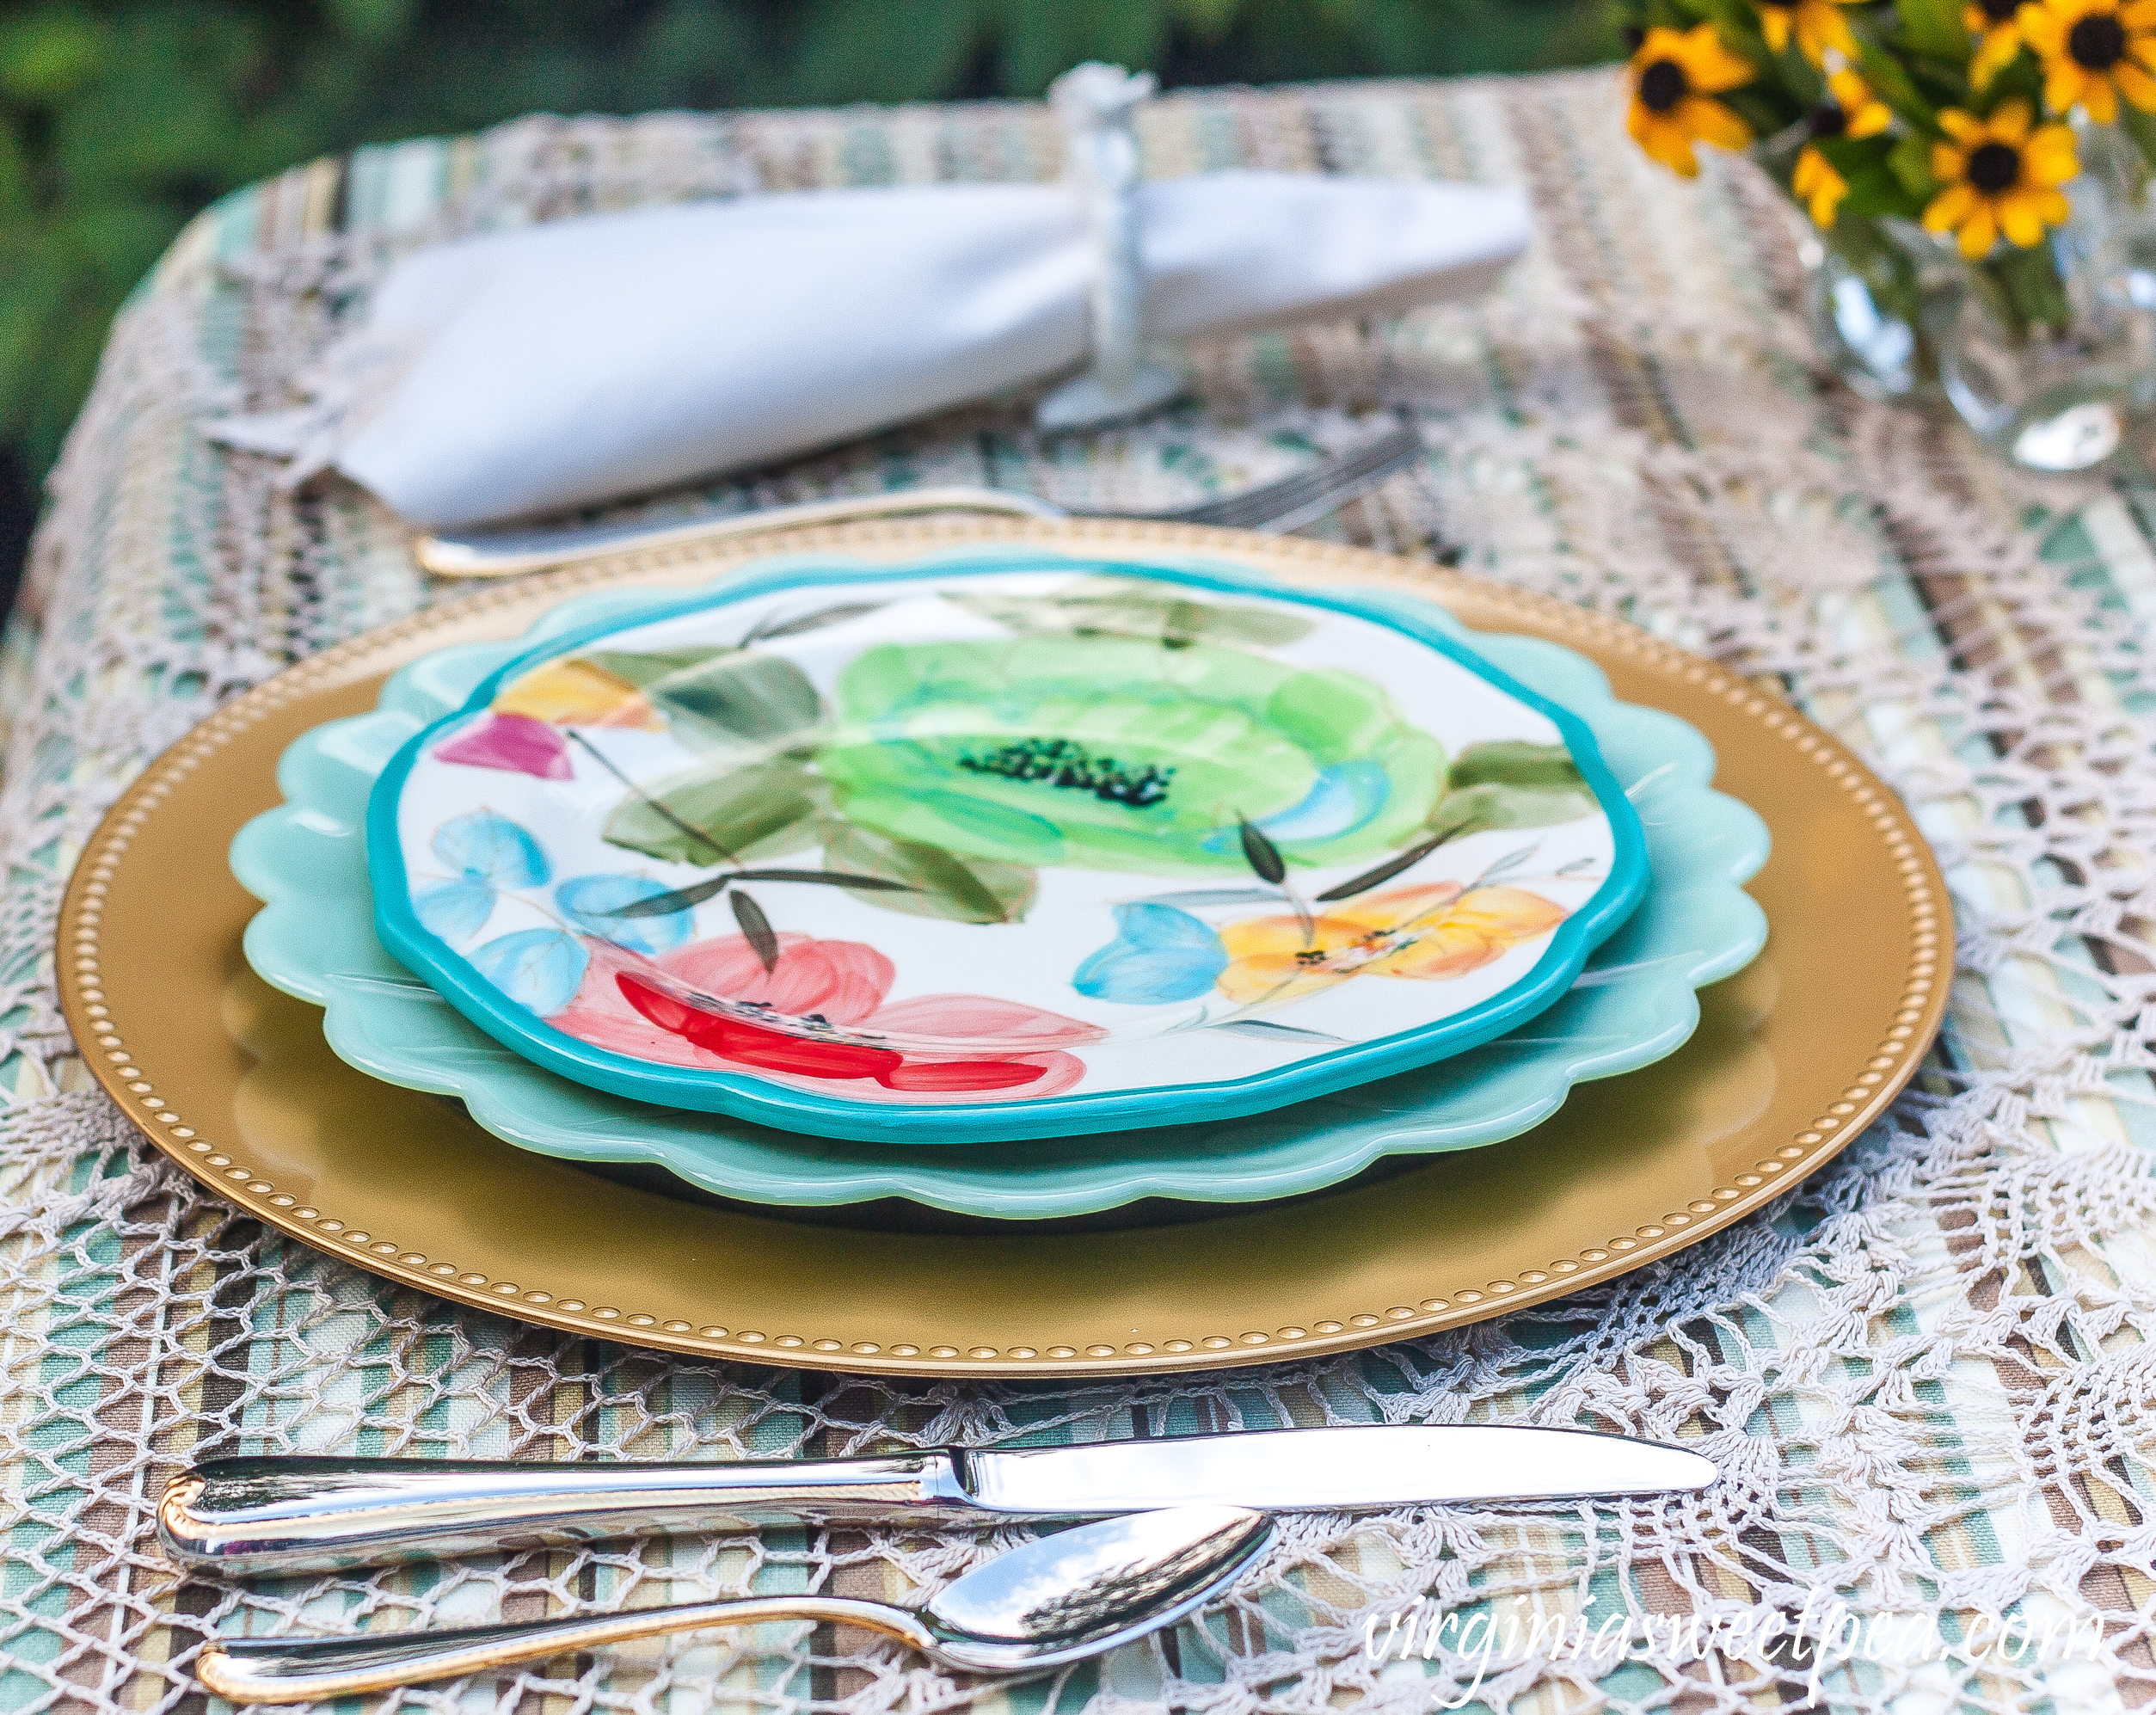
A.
pixel 1094 104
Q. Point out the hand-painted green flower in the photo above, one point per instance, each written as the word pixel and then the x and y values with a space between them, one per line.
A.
pixel 1118 754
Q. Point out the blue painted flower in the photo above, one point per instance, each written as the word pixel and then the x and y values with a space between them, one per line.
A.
pixel 454 910
pixel 1159 954
pixel 541 969
pixel 489 853
pixel 492 848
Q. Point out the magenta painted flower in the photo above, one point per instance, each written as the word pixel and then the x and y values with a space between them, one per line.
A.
pixel 513 742
pixel 828 1022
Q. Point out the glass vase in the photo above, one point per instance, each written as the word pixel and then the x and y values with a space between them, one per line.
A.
pixel 2046 353
pixel 1865 289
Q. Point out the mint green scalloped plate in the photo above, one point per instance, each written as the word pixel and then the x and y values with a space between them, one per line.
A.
pixel 1634 1003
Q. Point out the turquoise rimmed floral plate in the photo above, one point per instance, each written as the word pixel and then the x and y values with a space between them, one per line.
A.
pixel 998 846
pixel 1633 1003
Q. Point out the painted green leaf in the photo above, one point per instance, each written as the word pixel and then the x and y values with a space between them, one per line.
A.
pixel 756 929
pixel 1514 762
pixel 734 699
pixel 939 884
pixel 1476 809
pixel 642 667
pixel 722 814
pixel 1511 784
pixel 1139 609
pixel 800 624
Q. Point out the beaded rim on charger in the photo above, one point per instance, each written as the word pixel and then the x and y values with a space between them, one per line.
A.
pixel 139 1052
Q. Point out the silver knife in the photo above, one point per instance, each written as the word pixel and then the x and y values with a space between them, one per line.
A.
pixel 237 1516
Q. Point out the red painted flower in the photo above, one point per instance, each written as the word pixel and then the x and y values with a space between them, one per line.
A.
pixel 944 1048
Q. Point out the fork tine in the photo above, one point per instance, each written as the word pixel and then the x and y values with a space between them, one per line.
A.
pixel 1308 494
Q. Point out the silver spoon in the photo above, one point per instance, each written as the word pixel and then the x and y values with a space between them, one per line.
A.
pixel 1058 1599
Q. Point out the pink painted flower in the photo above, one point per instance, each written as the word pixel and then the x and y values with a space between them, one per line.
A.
pixel 512 742
pixel 942 1047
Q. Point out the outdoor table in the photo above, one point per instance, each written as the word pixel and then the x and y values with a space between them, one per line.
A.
pixel 1925 1371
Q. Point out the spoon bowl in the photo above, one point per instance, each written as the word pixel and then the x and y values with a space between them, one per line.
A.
pixel 1054 1600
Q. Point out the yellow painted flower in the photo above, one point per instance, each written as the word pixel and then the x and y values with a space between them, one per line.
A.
pixel 1995 21
pixel 1429 933
pixel 574 693
pixel 2093 52
pixel 1676 75
pixel 1817 185
pixel 2000 176
pixel 1818 24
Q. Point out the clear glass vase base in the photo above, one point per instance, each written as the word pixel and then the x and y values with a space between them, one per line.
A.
pixel 2075 437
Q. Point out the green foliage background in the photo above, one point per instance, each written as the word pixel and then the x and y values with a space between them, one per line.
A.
pixel 119 118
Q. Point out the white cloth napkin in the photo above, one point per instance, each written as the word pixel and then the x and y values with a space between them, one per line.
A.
pixel 563 364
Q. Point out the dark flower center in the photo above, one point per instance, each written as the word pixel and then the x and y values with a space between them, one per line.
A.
pixel 1663 85
pixel 1064 764
pixel 1994 167
pixel 2098 42
pixel 1827 119
pixel 2000 11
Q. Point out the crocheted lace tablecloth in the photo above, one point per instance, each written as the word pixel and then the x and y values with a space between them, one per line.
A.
pixel 1927 1373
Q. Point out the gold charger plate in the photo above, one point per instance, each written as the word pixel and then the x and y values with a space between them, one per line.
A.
pixel 1793 1058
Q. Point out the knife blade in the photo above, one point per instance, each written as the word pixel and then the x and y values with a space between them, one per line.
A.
pixel 240 1517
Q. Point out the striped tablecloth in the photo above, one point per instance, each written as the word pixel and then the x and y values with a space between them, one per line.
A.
pixel 1927 1373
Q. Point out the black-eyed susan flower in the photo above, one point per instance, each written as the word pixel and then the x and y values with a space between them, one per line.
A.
pixel 2093 52
pixel 2000 176
pixel 1850 110
pixel 1996 22
pixel 1676 75
pixel 1818 25
pixel 1817 185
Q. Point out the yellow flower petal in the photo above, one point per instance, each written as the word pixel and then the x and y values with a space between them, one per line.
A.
pixel 2062 84
pixel 1481 925
pixel 2010 121
pixel 2138 14
pixel 576 693
pixel 1949 208
pixel 2135 84
pixel 2100 99
pixel 2042 31
pixel 1711 122
pixel 1427 932
pixel 2048 158
pixel 1663 141
pixel 1774 25
pixel 1710 67
pixel 1992 58
pixel 1978 234
pixel 2019 218
pixel 1870 119
pixel 1964 128
pixel 2053 206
